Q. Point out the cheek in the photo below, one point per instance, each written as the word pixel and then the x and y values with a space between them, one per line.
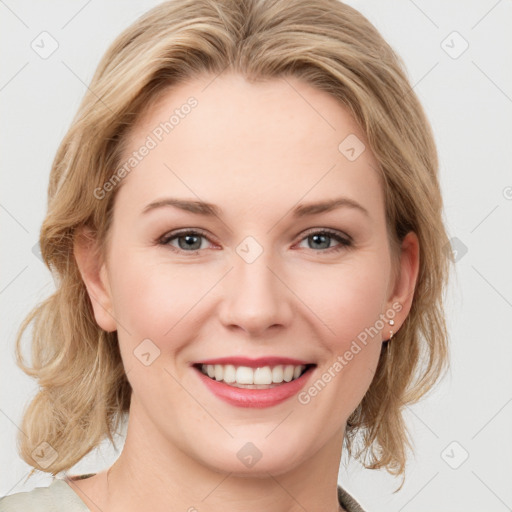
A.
pixel 350 306
pixel 150 298
pixel 160 300
pixel 346 298
pixel 356 313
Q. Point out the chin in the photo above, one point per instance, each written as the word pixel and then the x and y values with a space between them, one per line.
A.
pixel 249 461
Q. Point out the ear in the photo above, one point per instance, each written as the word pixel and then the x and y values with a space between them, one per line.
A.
pixel 94 274
pixel 404 284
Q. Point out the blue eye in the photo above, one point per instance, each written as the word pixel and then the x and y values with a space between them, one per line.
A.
pixel 191 240
pixel 188 241
pixel 320 237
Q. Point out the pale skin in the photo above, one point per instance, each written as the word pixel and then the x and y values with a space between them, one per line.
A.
pixel 256 150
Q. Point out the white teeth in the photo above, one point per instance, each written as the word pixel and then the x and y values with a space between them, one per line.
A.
pixel 277 374
pixel 229 373
pixel 218 372
pixel 244 375
pixel 288 373
pixel 265 375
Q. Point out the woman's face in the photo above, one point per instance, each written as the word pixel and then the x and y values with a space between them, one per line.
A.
pixel 255 275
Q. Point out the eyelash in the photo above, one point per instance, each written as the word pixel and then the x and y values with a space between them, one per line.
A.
pixel 344 240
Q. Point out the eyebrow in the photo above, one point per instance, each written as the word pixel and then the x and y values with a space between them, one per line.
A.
pixel 210 210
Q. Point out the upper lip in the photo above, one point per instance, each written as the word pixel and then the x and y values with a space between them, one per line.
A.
pixel 255 363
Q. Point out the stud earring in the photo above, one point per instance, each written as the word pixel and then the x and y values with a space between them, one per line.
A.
pixel 391 322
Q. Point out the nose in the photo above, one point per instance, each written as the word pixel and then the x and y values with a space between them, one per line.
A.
pixel 255 296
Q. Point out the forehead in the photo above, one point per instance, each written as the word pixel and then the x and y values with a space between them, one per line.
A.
pixel 277 141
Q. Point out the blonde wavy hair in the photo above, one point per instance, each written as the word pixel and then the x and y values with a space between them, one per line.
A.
pixel 84 392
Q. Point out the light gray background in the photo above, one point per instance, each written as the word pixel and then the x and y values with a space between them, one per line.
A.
pixel 468 101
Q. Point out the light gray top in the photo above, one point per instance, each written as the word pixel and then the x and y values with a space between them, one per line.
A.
pixel 57 497
pixel 60 497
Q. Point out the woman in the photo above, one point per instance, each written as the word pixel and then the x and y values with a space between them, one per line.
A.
pixel 245 222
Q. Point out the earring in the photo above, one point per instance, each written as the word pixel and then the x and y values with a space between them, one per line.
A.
pixel 391 322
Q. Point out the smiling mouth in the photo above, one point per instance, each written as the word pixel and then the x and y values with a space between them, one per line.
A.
pixel 245 377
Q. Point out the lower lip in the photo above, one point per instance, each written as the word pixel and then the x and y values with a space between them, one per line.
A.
pixel 257 398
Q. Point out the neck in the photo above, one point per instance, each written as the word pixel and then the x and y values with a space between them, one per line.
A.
pixel 155 474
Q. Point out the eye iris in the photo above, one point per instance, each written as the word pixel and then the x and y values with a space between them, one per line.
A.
pixel 192 239
pixel 316 237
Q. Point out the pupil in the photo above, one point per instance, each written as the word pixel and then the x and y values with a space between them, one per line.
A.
pixel 324 237
pixel 189 242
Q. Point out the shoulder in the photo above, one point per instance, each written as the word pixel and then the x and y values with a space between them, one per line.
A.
pixel 58 496
pixel 345 500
